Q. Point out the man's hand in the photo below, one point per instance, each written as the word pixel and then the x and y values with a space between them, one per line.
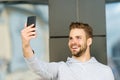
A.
pixel 27 34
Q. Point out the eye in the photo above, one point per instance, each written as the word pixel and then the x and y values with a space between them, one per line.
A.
pixel 70 38
pixel 78 37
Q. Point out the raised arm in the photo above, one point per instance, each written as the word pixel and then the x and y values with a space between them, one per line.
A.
pixel 46 70
pixel 27 34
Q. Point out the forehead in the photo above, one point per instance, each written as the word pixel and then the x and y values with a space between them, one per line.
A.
pixel 77 32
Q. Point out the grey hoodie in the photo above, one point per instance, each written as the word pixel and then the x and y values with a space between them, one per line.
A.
pixel 70 70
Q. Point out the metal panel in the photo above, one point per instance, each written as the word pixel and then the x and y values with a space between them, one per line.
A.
pixel 59 50
pixel 61 14
pixel 98 49
pixel 93 12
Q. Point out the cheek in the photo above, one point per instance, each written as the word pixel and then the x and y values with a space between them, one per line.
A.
pixel 69 43
pixel 79 42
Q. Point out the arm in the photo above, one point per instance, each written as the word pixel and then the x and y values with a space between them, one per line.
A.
pixel 108 74
pixel 111 75
pixel 47 71
pixel 27 34
pixel 44 69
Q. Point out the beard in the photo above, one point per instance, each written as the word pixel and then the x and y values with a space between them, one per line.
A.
pixel 81 51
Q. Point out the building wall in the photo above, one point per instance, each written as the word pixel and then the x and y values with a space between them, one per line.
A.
pixel 63 12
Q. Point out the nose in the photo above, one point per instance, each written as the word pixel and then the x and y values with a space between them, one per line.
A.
pixel 73 41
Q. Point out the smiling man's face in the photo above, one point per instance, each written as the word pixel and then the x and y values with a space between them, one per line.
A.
pixel 77 42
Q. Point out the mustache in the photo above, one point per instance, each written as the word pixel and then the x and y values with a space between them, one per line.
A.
pixel 75 45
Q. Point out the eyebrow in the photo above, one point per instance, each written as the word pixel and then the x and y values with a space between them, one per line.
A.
pixel 75 36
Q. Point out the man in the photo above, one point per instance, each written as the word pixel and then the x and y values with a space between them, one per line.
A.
pixel 81 66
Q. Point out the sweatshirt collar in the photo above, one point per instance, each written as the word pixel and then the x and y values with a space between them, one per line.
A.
pixel 73 60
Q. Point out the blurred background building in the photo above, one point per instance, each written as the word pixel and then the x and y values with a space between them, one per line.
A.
pixel 113 38
pixel 53 19
pixel 13 16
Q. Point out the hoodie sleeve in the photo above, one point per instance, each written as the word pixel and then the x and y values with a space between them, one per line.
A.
pixel 48 71
pixel 110 75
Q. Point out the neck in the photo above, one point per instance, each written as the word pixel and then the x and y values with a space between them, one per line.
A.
pixel 85 57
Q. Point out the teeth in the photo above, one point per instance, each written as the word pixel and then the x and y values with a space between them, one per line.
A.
pixel 74 46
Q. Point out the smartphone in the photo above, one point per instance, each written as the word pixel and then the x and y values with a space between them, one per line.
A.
pixel 31 20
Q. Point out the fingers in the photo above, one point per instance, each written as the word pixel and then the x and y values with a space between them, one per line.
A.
pixel 31 34
pixel 29 30
pixel 28 33
pixel 25 26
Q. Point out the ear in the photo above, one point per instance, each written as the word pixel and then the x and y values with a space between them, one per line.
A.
pixel 89 41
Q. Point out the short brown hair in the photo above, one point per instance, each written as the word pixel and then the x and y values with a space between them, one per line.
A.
pixel 88 29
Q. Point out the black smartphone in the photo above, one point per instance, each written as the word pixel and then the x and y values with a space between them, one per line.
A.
pixel 31 20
